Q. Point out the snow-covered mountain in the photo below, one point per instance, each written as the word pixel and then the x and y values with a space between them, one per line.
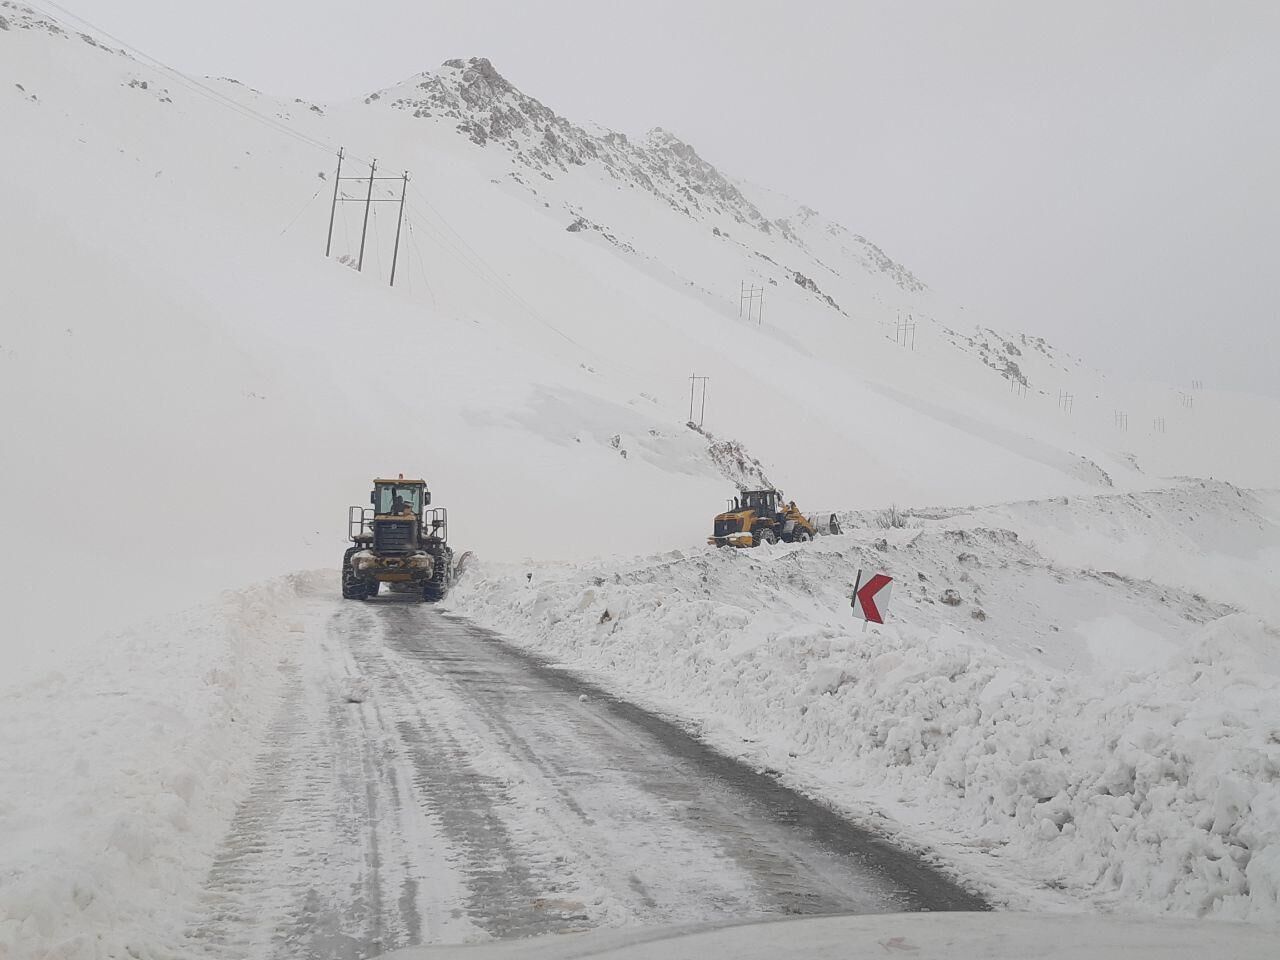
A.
pixel 488 109
pixel 192 394
pixel 173 331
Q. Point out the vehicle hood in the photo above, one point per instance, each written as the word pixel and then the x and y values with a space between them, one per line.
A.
pixel 910 936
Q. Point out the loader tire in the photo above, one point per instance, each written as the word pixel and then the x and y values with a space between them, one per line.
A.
pixel 434 589
pixel 767 535
pixel 801 536
pixel 353 588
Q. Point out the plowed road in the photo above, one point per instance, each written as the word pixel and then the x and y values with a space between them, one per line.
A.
pixel 426 782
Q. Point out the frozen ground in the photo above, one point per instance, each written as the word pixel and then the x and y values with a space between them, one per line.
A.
pixel 1069 722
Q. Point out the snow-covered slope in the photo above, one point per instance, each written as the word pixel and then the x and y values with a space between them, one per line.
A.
pixel 193 393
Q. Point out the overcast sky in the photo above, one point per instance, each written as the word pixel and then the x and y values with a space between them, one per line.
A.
pixel 1106 174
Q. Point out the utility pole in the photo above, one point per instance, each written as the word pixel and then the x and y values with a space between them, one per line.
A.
pixel 395 253
pixel 1066 401
pixel 368 200
pixel 333 207
pixel 1122 421
pixel 752 298
pixel 693 383
pixel 904 332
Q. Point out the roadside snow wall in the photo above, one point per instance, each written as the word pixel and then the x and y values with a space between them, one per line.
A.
pixel 1111 738
pixel 121 773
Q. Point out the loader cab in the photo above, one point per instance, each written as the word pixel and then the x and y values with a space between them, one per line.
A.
pixel 763 502
pixel 394 496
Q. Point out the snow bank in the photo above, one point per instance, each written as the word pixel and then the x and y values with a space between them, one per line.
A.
pixel 1205 536
pixel 1152 789
pixel 189 375
pixel 119 774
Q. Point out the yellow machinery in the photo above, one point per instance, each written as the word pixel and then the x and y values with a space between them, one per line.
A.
pixel 760 516
pixel 398 541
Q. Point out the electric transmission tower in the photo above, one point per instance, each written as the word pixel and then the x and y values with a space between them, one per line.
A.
pixel 368 200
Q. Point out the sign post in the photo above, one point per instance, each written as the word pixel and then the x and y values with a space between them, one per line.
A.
pixel 870 600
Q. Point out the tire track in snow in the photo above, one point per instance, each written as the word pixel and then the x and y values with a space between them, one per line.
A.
pixel 473 792
pixel 325 858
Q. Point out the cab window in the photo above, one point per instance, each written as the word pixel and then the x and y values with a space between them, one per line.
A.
pixel 392 495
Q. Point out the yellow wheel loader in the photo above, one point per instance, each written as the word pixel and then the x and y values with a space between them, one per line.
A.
pixel 398 541
pixel 760 516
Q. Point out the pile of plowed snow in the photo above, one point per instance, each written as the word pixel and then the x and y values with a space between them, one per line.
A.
pixel 130 764
pixel 1112 737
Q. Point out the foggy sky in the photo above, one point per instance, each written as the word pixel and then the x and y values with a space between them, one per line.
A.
pixel 1104 174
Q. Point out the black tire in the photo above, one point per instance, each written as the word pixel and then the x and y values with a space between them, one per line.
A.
pixel 766 535
pixel 353 588
pixel 370 589
pixel 434 589
pixel 801 536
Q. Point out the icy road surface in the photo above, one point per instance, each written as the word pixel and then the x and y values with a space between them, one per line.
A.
pixel 427 783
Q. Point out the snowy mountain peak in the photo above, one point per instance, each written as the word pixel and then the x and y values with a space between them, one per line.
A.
pixel 493 113
pixel 490 110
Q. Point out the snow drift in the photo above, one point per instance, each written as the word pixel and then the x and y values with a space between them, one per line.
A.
pixel 1114 738
pixel 122 771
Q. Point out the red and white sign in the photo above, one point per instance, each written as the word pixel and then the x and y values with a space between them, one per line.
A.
pixel 871 599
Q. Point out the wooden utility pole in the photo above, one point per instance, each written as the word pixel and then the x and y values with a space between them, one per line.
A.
pixel 750 298
pixel 693 384
pixel 395 254
pixel 368 202
pixel 333 207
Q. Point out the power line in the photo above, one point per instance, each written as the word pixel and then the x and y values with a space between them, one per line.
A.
pixel 477 261
pixel 303 210
pixel 481 268
pixel 413 241
pixel 477 264
pixel 462 241
pixel 195 86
